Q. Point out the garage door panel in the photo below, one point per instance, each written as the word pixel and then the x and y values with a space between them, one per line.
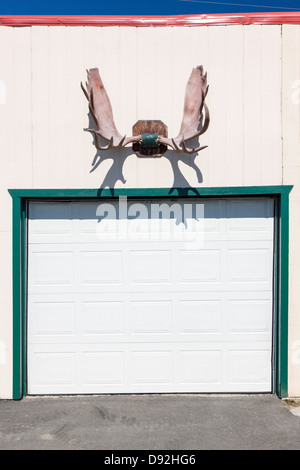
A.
pixel 246 218
pixel 250 265
pixel 218 219
pixel 135 318
pixel 249 366
pixel 150 317
pixel 102 367
pixel 140 306
pixel 55 268
pixel 232 269
pixel 52 318
pixel 150 266
pixel 250 316
pixel 199 266
pixel 201 366
pixel 51 367
pixel 56 225
pixel 200 317
pixel 101 318
pixel 151 368
pixel 77 266
pixel 100 267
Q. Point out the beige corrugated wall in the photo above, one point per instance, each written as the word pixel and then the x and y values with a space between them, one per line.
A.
pixel 291 175
pixel 253 139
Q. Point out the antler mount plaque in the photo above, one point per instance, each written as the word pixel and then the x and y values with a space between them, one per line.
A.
pixel 149 138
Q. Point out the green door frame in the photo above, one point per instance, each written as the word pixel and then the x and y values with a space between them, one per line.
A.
pixel 20 197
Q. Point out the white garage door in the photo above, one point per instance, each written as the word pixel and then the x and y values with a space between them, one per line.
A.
pixel 129 296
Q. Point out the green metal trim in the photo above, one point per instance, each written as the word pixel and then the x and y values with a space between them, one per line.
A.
pixel 21 196
pixel 275 343
pixel 148 192
pixel 283 297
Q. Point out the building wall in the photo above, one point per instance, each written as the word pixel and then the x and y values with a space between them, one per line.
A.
pixel 291 175
pixel 253 138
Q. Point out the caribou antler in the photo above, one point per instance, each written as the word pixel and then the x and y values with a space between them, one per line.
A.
pixel 191 124
pixel 101 110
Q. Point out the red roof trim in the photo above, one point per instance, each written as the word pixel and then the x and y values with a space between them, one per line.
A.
pixel 177 20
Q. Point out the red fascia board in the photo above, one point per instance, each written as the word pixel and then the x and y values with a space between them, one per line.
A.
pixel 138 21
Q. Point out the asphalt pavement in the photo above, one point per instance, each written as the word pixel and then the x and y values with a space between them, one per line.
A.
pixel 150 423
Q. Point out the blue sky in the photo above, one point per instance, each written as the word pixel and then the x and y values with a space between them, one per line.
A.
pixel 142 7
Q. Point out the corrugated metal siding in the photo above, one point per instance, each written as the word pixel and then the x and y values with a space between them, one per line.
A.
pixel 145 71
pixel 291 175
pixel 253 138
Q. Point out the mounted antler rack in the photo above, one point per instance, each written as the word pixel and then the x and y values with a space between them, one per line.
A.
pixel 149 137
